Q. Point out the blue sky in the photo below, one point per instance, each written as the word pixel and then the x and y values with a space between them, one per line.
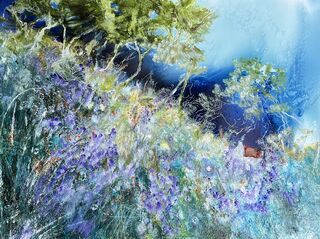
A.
pixel 285 33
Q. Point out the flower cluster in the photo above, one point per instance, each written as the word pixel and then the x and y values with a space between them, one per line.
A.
pixel 75 175
pixel 115 161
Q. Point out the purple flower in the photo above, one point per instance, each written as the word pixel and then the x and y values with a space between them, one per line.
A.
pixel 79 173
pixel 58 80
pixel 52 123
pixel 159 206
pixel 82 227
pixel 291 196
pixel 112 134
pixel 27 231
pixel 70 120
pixel 88 97
pixel 257 207
pixel 74 92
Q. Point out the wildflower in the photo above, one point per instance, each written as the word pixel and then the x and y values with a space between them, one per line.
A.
pixel 52 123
pixel 82 227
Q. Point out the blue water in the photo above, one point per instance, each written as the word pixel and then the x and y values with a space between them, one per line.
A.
pixel 4 4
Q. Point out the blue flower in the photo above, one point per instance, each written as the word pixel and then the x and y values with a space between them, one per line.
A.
pixel 82 227
pixel 52 123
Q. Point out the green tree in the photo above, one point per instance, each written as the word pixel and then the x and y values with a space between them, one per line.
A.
pixel 255 87
pixel 171 28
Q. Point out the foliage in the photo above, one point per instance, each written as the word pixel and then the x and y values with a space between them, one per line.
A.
pixel 94 159
pixel 165 26
pixel 84 156
pixel 255 87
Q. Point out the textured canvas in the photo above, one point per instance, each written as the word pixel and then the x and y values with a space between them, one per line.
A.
pixel 159 119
